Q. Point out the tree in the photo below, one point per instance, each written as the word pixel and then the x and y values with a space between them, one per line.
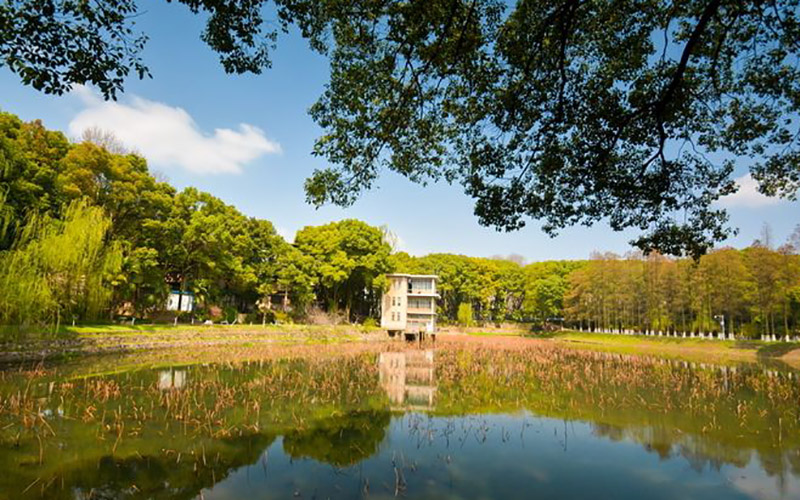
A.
pixel 567 111
pixel 765 239
pixel 191 239
pixel 106 139
pixel 205 247
pixel 59 269
pixel 564 111
pixel 729 286
pixel 348 260
pixel 296 278
pixel 29 167
pixel 120 183
pixel 543 299
pixel 464 315
pixel 793 242
pixel 764 266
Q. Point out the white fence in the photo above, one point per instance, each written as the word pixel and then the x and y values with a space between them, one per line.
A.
pixel 692 335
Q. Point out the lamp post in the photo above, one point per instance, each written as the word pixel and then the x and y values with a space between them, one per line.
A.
pixel 721 319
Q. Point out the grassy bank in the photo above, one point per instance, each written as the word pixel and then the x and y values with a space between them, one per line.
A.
pixel 105 339
pixel 693 349
pixel 683 348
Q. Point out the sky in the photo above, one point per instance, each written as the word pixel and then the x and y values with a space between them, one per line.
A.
pixel 248 139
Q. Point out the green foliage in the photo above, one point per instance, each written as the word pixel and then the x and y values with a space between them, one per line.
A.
pixel 752 288
pixel 347 261
pixel 88 233
pixel 59 269
pixel 464 315
pixel 571 112
pixel 565 111
pixel 85 44
pixel 190 240
pixel 29 166
pixel 496 289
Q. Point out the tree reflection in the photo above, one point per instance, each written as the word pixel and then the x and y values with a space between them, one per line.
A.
pixel 340 440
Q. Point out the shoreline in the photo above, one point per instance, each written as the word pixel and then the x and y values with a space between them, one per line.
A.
pixel 118 339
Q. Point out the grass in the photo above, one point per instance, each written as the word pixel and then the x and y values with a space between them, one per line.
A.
pixel 675 347
pixel 496 333
pixel 114 338
pixel 110 338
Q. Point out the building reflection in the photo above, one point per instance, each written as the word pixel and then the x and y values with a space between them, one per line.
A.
pixel 409 379
pixel 171 379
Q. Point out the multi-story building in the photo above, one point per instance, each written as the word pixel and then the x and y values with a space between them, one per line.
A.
pixel 409 305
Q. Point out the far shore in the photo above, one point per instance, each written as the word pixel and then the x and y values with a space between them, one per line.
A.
pixel 73 342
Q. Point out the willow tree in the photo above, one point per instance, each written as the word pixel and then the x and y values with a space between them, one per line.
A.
pixel 59 269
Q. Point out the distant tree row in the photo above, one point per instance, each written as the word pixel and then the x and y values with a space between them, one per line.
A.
pixel 755 290
pixel 494 289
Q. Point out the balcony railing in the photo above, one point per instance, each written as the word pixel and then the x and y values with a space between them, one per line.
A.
pixel 421 310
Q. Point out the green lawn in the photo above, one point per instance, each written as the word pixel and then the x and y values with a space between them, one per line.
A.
pixel 676 346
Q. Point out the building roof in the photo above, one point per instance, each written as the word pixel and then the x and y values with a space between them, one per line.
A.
pixel 403 275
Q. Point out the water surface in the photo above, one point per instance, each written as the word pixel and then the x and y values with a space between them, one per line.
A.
pixel 457 422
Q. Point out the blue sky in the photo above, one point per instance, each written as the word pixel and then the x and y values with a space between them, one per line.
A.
pixel 247 139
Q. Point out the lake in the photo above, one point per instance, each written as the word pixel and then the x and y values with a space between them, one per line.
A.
pixel 459 421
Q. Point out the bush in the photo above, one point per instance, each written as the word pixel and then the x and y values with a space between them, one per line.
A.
pixel 281 317
pixel 200 314
pixel 214 313
pixel 749 331
pixel 267 317
pixel 231 314
pixel 317 316
pixel 464 315
pixel 370 323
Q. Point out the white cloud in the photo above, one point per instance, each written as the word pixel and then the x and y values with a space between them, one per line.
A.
pixel 169 137
pixel 748 195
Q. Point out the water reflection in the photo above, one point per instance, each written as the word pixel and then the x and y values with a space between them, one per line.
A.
pixel 171 379
pixel 409 378
pixel 457 422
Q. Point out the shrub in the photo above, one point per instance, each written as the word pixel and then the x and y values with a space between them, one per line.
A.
pixel 231 314
pixel 281 317
pixel 214 313
pixel 317 316
pixel 464 315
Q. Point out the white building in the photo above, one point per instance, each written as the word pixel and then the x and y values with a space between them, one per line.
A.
pixel 185 299
pixel 409 306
